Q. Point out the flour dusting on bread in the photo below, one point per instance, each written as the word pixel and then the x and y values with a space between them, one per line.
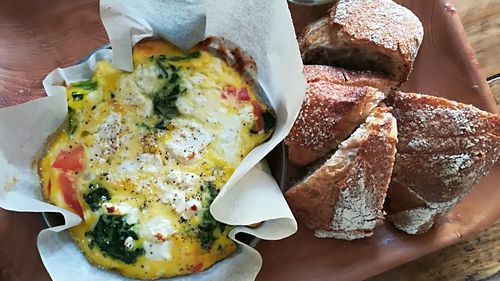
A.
pixel 387 24
pixel 353 180
pixel 419 220
pixel 333 107
pixel 376 35
pixel 444 149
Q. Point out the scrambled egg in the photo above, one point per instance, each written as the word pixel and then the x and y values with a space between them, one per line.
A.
pixel 143 155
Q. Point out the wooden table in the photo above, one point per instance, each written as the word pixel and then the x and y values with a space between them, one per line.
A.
pixel 478 259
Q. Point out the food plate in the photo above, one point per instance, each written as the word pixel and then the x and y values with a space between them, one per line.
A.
pixel 446 66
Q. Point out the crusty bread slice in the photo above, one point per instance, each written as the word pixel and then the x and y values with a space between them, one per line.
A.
pixel 377 35
pixel 344 197
pixel 337 75
pixel 444 149
pixel 335 104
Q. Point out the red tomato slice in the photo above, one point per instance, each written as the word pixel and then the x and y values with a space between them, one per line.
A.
pixel 257 111
pixel 196 268
pixel 230 90
pixel 68 190
pixel 243 94
pixel 70 160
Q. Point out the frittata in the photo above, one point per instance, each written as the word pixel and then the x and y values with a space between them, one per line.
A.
pixel 144 153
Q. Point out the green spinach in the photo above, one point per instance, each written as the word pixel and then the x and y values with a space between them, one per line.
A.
pixel 164 102
pixel 88 85
pixel 72 120
pixel 192 55
pixel 206 231
pixel 165 97
pixel 109 236
pixel 76 96
pixel 269 120
pixel 96 196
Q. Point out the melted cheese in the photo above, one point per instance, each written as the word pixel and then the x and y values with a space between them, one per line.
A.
pixel 147 151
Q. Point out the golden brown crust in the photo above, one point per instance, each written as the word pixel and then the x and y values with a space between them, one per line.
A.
pixel 344 197
pixel 346 77
pixel 377 35
pixel 315 40
pixel 444 149
pixel 312 200
pixel 332 108
pixel 316 32
pixel 385 24
pixel 230 53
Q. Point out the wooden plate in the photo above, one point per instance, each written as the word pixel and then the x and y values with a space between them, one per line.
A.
pixel 446 66
pixel 39 35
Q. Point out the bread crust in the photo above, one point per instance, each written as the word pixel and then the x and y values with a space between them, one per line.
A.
pixel 334 105
pixel 341 76
pixel 377 35
pixel 444 149
pixel 344 197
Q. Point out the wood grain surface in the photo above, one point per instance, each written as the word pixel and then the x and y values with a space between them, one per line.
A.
pixel 24 26
pixel 495 89
pixel 474 260
pixel 481 20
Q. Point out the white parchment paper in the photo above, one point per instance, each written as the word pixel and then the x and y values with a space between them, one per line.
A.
pixel 263 29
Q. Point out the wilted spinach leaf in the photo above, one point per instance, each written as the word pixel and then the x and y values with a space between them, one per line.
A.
pixel 109 236
pixel 97 195
pixel 88 85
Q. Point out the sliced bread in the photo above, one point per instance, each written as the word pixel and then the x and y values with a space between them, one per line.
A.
pixel 344 196
pixel 336 102
pixel 444 149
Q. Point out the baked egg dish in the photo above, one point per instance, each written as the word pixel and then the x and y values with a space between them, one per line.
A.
pixel 143 154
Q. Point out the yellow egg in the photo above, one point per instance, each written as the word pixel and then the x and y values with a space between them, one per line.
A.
pixel 143 154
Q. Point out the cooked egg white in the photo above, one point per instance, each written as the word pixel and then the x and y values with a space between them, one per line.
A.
pixel 143 154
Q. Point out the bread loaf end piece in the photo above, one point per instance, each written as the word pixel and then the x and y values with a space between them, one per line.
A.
pixel 444 149
pixel 376 35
